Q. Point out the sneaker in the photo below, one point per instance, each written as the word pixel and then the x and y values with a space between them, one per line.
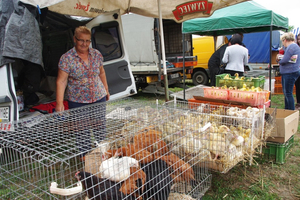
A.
pixel 297 106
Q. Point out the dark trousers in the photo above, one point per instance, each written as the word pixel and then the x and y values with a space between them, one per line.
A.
pixel 297 84
pixel 91 124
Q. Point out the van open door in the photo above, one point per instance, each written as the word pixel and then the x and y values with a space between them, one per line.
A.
pixel 107 37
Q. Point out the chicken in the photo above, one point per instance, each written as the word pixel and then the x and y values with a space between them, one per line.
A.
pixel 134 185
pixel 189 145
pixel 117 169
pixel 158 180
pixel 150 140
pixel 134 151
pixel 179 167
pixel 98 188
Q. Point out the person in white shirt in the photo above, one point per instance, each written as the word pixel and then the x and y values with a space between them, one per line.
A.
pixel 236 56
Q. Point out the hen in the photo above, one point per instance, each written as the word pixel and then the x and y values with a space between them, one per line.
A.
pixel 134 151
pixel 179 167
pixel 117 169
pixel 134 185
pixel 98 188
pixel 150 140
pixel 158 180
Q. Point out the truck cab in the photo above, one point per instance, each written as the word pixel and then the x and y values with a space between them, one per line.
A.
pixel 56 34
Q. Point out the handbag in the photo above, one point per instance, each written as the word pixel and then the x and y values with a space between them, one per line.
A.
pixel 222 68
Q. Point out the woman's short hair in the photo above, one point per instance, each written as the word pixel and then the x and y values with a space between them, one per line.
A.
pixel 82 29
pixel 288 36
pixel 236 39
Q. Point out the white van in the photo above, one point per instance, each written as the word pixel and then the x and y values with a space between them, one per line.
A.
pixel 56 35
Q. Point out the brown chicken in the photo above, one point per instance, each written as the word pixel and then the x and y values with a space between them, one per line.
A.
pixel 179 167
pixel 134 151
pixel 150 140
pixel 134 185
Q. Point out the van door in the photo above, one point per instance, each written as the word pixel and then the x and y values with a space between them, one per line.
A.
pixel 107 37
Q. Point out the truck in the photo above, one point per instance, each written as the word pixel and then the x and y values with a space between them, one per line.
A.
pixel 53 36
pixel 142 42
pixel 256 43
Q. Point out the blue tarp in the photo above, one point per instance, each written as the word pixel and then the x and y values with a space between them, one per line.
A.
pixel 258 45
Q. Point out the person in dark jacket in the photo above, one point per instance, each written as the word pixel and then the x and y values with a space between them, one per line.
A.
pixel 215 61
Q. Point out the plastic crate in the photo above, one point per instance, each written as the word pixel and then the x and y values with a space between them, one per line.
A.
pixel 278 151
pixel 254 98
pixel 216 93
pixel 249 81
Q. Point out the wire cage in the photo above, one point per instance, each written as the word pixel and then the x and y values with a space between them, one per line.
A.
pixel 231 134
pixel 127 155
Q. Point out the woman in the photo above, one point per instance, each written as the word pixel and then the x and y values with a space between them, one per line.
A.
pixel 81 71
pixel 236 56
pixel 297 83
pixel 289 68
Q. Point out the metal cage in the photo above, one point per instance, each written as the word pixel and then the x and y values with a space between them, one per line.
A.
pixel 231 134
pixel 131 151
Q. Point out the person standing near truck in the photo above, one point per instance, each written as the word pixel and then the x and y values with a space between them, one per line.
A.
pixel 215 61
pixel 235 56
pixel 297 83
pixel 81 72
pixel 289 68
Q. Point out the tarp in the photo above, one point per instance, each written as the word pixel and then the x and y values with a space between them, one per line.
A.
pixel 258 45
pixel 245 17
pixel 178 10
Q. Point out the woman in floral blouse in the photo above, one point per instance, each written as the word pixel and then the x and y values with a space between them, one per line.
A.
pixel 81 71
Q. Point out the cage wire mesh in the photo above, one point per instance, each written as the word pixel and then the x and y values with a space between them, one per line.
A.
pixel 230 134
pixel 130 151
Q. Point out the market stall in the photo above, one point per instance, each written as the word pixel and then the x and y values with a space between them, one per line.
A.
pixel 245 17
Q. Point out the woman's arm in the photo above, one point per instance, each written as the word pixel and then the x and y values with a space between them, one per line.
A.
pixel 61 84
pixel 225 58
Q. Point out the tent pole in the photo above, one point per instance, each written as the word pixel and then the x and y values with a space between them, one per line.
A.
pixel 163 52
pixel 270 63
pixel 183 54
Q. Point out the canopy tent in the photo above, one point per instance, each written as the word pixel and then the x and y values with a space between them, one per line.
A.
pixel 244 17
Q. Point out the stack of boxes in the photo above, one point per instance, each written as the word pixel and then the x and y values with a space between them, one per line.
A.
pixel 281 139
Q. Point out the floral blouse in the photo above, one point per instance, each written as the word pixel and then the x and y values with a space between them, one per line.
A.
pixel 84 83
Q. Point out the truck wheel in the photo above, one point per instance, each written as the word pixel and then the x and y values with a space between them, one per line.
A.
pixel 200 77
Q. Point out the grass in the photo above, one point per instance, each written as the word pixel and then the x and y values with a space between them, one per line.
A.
pixel 264 180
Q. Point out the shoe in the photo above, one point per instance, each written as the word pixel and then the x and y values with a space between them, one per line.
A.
pixel 297 106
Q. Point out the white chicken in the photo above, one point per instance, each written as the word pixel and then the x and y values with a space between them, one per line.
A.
pixel 117 169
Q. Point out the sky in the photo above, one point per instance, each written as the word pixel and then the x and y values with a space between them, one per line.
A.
pixel 286 8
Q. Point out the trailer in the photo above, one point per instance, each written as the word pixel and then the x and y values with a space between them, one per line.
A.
pixel 142 42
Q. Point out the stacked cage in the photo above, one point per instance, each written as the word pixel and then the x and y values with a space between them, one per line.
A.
pixel 228 134
pixel 128 155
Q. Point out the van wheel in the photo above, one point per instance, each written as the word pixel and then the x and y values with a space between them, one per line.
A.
pixel 200 77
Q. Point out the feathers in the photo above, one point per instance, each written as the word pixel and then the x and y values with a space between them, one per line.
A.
pixel 117 169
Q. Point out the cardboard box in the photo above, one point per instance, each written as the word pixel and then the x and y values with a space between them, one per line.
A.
pixel 286 125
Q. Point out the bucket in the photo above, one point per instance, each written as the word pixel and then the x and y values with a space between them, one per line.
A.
pixel 266 86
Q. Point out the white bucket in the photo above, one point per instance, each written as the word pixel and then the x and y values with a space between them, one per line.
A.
pixel 266 86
